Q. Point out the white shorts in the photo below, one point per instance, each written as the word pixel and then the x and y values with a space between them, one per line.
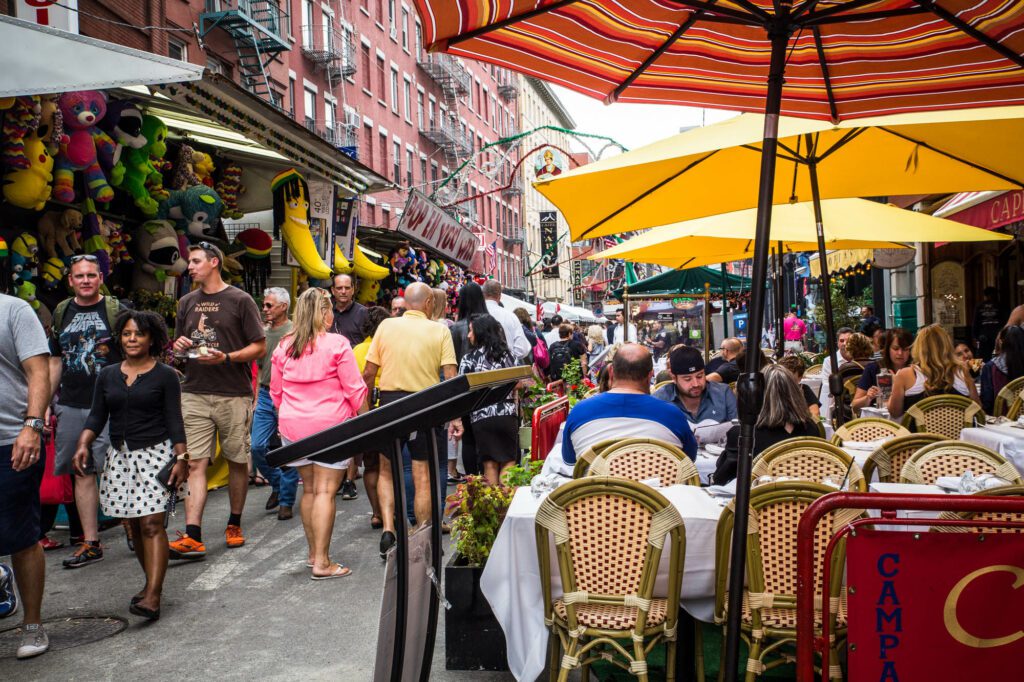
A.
pixel 305 462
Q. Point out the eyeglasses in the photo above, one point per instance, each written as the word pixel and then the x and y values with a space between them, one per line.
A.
pixel 84 257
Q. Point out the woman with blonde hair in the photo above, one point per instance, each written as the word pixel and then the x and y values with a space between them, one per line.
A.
pixel 440 307
pixel 597 351
pixel 934 371
pixel 315 384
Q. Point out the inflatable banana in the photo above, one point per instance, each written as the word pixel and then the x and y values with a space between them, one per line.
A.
pixel 342 265
pixel 366 268
pixel 291 217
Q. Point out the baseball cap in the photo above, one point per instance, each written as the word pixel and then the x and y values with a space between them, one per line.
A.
pixel 686 360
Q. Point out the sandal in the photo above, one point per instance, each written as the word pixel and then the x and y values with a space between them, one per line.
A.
pixel 258 480
pixel 340 572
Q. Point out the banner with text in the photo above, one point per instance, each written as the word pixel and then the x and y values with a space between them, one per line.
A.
pixel 429 225
pixel 922 605
pixel 549 244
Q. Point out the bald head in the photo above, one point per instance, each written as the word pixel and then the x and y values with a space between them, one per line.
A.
pixel 731 347
pixel 632 367
pixel 417 296
pixel 492 289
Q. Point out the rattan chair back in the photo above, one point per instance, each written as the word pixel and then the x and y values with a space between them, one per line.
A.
pixel 953 458
pixel 640 459
pixel 889 458
pixel 867 429
pixel 585 458
pixel 660 384
pixel 813 371
pixel 809 459
pixel 609 534
pixel 943 414
pixel 1010 400
pixel 1006 491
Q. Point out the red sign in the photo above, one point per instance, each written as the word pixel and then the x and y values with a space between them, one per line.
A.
pixel 996 212
pixel 935 606
pixel 427 224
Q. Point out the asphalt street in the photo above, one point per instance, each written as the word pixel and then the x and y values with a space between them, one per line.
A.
pixel 245 613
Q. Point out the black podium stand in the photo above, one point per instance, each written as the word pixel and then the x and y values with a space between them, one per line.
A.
pixel 412 631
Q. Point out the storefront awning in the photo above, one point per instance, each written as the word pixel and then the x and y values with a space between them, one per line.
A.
pixel 39 60
pixel 840 260
pixel 987 210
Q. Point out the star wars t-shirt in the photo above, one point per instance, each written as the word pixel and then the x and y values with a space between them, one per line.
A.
pixel 226 321
pixel 85 345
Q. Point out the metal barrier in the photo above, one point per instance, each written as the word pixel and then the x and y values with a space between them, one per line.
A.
pixel 546 420
pixel 807 643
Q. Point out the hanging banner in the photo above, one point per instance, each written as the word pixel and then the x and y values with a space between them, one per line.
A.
pixel 549 244
pixel 430 226
pixel 924 604
pixel 346 218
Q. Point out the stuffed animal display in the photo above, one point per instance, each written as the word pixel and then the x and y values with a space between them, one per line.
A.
pixel 20 120
pixel 291 222
pixel 196 210
pixel 142 178
pixel 59 230
pixel 156 247
pixel 86 147
pixel 230 188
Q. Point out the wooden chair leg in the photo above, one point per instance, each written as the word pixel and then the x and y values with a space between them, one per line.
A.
pixel 721 658
pixel 639 654
pixel 563 673
pixel 554 655
pixel 670 660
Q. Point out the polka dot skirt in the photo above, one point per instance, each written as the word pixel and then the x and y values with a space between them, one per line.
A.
pixel 128 486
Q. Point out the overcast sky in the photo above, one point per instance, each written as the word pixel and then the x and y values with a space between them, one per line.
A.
pixel 633 125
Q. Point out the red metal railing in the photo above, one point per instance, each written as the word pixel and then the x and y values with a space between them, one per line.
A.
pixel 807 644
pixel 546 420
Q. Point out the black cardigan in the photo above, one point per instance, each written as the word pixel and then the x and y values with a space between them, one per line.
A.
pixel 142 415
pixel 725 471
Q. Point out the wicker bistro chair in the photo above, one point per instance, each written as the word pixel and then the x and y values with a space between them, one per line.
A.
pixel 953 458
pixel 867 429
pixel 890 457
pixel 639 459
pixel 768 624
pixel 658 385
pixel 1006 491
pixel 586 458
pixel 809 459
pixel 813 371
pixel 943 414
pixel 1010 400
pixel 609 535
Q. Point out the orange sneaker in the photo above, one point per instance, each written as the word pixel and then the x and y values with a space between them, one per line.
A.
pixel 233 536
pixel 186 548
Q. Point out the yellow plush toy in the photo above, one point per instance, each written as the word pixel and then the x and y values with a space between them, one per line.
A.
pixel 30 187
pixel 368 290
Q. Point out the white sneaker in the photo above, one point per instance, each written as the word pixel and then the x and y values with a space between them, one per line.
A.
pixel 33 641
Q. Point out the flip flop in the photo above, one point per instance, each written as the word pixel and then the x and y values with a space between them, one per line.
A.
pixel 340 572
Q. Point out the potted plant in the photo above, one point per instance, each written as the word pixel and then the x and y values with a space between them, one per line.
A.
pixel 534 396
pixel 576 385
pixel 473 638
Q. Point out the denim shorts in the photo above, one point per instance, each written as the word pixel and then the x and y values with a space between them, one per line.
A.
pixel 19 503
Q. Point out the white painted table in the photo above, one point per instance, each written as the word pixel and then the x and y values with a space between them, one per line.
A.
pixel 1005 439
pixel 511 578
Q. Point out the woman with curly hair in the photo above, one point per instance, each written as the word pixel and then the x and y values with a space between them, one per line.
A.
pixel 935 371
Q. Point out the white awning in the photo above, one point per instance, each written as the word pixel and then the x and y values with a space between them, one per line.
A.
pixel 568 312
pixel 39 60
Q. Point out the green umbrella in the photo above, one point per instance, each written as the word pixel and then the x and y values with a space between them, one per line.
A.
pixel 685 282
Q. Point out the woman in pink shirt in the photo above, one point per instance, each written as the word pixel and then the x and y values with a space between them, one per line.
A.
pixel 315 384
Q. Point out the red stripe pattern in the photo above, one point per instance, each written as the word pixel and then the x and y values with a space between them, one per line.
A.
pixel 909 60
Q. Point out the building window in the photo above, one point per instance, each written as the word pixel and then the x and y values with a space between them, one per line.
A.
pixel 433 175
pixel 309 107
pixel 383 153
pixel 419 39
pixel 277 99
pixel 408 100
pixel 380 13
pixel 214 65
pixel 369 146
pixel 398 161
pixel 410 166
pixel 430 111
pixel 330 115
pixel 419 110
pixel 394 90
pixel 307 23
pixel 177 50
pixel 291 97
pixel 367 68
pixel 405 29
pixel 383 92
pixel 391 14
pixel 423 170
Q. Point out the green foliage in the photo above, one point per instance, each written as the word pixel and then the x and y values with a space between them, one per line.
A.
pixel 521 475
pixel 477 510
pixel 534 397
pixel 576 385
pixel 845 309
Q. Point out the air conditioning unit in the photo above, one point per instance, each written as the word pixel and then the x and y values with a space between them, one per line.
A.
pixel 352 118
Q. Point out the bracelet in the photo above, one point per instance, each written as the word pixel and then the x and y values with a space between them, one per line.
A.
pixel 227 358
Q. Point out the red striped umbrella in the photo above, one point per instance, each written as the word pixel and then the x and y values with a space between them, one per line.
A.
pixel 824 59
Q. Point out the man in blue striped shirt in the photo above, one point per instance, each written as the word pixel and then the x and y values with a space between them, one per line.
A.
pixel 627 410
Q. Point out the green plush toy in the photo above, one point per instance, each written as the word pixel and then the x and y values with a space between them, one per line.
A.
pixel 139 167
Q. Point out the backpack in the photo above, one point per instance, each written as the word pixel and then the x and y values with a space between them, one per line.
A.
pixel 540 353
pixel 111 306
pixel 560 356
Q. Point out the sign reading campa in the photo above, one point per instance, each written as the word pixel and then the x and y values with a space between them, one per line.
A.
pixel 934 606
pixel 427 224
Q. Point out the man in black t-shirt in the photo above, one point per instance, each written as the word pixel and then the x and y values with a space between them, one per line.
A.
pixel 564 351
pixel 661 340
pixel 349 316
pixel 723 368
pixel 81 345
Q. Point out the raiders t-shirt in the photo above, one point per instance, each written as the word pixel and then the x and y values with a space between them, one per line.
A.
pixel 226 321
pixel 85 345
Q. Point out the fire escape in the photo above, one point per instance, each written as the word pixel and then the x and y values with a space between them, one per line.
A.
pixel 445 130
pixel 255 28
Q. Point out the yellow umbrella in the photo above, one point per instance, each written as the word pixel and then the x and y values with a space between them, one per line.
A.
pixel 713 170
pixel 851 224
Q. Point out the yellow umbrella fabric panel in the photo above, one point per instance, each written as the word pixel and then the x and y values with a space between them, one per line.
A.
pixel 713 170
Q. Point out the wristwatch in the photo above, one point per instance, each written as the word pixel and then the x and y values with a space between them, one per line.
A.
pixel 35 423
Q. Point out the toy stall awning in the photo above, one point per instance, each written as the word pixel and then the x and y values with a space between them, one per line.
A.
pixel 39 60
pixel 216 112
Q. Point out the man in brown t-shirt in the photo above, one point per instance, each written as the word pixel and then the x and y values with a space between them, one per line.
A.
pixel 218 332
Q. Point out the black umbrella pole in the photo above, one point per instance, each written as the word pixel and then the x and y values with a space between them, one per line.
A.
pixel 835 381
pixel 751 383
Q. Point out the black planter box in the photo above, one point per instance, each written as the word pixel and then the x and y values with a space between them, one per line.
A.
pixel 473 640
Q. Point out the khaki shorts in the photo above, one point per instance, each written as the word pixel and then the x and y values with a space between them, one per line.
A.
pixel 209 416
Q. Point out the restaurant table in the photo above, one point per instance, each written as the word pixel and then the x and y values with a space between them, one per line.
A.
pixel 511 578
pixel 880 412
pixel 907 489
pixel 1005 439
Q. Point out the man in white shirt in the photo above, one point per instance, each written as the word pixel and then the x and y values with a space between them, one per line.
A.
pixel 552 336
pixel 620 326
pixel 518 345
pixel 842 336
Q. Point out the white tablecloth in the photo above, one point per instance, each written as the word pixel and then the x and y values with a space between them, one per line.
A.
pixel 1007 440
pixel 875 412
pixel 814 382
pixel 511 578
pixel 907 489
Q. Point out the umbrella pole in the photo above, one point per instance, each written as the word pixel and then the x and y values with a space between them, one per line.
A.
pixel 835 383
pixel 750 386
pixel 707 321
pixel 725 304
pixel 780 297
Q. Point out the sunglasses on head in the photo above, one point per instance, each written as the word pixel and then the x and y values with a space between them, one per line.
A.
pixel 84 256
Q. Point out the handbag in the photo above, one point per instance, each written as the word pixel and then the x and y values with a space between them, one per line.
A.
pixel 540 353
pixel 164 475
pixel 53 489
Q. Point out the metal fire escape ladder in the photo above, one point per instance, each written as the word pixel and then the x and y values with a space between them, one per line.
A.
pixel 255 29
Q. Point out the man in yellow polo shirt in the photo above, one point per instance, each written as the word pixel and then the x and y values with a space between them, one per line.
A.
pixel 411 352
